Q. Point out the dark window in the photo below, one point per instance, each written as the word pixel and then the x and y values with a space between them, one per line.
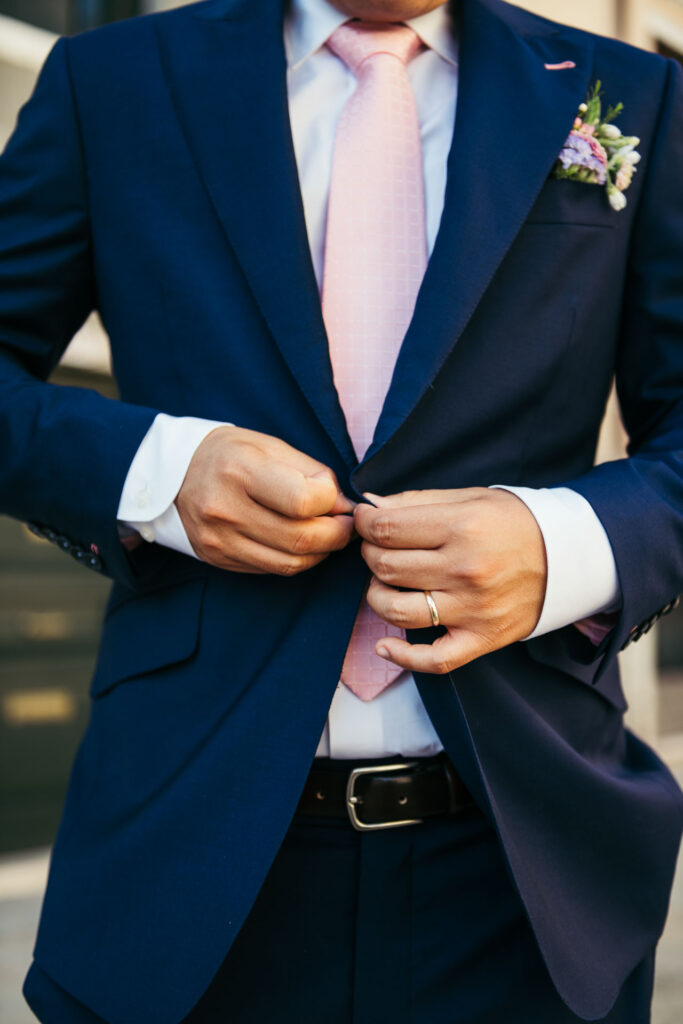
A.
pixel 667 51
pixel 69 16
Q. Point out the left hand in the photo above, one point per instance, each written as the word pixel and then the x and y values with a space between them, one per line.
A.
pixel 481 554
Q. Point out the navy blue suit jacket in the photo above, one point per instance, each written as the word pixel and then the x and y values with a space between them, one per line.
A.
pixel 152 177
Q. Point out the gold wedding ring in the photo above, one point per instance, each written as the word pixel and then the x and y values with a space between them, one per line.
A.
pixel 433 610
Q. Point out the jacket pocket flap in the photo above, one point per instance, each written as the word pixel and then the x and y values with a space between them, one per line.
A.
pixel 573 202
pixel 147 633
pixel 567 650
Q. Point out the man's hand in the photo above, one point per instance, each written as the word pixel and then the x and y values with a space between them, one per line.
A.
pixel 252 503
pixel 481 554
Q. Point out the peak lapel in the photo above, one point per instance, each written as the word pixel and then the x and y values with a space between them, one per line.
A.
pixel 512 117
pixel 226 70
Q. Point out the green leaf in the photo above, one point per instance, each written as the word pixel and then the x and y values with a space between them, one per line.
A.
pixel 612 113
pixel 594 105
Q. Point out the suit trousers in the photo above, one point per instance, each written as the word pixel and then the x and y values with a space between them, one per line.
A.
pixel 412 925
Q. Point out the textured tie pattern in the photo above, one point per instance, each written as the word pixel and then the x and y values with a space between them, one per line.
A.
pixel 375 259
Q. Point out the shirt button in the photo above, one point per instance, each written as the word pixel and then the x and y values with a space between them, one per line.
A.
pixel 147 533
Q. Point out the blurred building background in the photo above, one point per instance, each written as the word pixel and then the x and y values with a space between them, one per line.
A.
pixel 50 609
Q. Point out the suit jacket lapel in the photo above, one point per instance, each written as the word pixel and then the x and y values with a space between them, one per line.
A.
pixel 512 117
pixel 226 71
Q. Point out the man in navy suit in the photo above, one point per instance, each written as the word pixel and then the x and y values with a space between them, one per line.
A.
pixel 244 838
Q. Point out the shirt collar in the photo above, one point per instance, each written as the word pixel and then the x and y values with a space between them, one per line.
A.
pixel 310 23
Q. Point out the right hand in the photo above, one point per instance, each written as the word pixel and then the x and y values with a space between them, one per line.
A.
pixel 252 503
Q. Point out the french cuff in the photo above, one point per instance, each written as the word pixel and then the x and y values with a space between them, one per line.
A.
pixel 166 529
pixel 156 475
pixel 582 573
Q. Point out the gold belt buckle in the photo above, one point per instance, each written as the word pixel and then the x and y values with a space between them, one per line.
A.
pixel 352 801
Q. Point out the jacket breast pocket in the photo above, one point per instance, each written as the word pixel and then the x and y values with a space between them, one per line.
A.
pixel 147 633
pixel 573 202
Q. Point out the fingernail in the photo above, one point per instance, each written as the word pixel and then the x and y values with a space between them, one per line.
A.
pixel 383 652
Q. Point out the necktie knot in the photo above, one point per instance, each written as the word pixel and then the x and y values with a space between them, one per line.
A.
pixel 355 41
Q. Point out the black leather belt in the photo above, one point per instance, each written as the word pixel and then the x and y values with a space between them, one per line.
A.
pixel 384 795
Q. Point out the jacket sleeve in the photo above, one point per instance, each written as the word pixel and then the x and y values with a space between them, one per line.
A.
pixel 64 452
pixel 639 500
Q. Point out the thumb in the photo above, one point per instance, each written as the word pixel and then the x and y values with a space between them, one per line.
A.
pixel 454 648
pixel 411 499
pixel 339 503
pixel 404 499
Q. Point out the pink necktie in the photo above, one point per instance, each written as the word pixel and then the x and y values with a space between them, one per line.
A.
pixel 375 259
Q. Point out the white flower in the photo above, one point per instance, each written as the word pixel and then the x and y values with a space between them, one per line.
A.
pixel 582 108
pixel 610 131
pixel 632 157
pixel 617 199
pixel 624 175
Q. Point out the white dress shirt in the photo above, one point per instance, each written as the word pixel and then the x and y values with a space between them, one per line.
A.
pixel 582 577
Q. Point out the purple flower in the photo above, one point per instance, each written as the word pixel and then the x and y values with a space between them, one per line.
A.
pixel 582 150
pixel 597 153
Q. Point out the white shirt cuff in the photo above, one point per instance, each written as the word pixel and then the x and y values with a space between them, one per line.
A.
pixel 156 475
pixel 582 574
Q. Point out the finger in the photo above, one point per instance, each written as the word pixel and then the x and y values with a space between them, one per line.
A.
pixel 232 566
pixel 248 519
pixel 309 467
pixel 287 490
pixel 318 535
pixel 405 609
pixel 422 526
pixel 414 569
pixel 342 504
pixel 457 647
pixel 409 499
pixel 222 561
pixel 248 555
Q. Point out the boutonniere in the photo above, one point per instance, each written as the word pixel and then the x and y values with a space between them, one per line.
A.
pixel 597 153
